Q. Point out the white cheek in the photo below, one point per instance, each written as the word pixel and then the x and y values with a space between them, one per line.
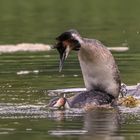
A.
pixel 78 38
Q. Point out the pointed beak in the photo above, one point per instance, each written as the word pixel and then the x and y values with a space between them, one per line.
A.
pixel 63 57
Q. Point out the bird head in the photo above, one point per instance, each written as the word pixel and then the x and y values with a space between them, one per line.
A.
pixel 59 103
pixel 67 41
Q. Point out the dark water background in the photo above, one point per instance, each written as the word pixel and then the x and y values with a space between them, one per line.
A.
pixel 23 96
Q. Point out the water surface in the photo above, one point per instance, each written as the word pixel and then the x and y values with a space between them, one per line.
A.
pixel 25 77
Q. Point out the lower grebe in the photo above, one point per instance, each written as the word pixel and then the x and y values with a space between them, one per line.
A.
pixel 99 69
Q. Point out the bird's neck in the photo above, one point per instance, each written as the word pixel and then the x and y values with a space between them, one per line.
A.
pixel 97 65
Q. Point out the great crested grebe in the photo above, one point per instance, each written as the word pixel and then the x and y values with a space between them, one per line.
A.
pixel 99 69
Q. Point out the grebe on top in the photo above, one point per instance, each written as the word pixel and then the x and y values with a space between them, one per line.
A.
pixel 99 69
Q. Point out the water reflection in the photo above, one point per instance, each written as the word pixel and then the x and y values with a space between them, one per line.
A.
pixel 102 122
pixel 99 123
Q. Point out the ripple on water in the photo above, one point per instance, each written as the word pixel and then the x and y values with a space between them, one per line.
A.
pixel 24 47
pixel 25 72
pixel 67 132
pixel 21 111
pixel 16 111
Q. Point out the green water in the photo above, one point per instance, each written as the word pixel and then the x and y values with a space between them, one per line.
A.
pixel 23 97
